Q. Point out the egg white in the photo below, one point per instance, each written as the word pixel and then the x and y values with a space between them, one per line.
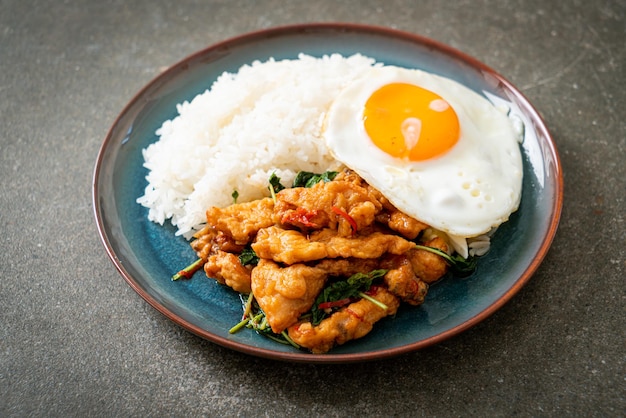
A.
pixel 465 192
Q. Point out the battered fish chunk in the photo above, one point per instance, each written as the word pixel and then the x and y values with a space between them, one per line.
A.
pixel 402 223
pixel 284 293
pixel 203 242
pixel 323 200
pixel 209 240
pixel 402 281
pixel 390 216
pixel 346 267
pixel 226 269
pixel 290 246
pixel 242 221
pixel 428 266
pixel 287 246
pixel 349 323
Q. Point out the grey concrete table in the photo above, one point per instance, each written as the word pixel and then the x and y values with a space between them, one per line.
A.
pixel 75 340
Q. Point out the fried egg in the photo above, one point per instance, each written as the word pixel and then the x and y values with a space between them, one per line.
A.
pixel 437 150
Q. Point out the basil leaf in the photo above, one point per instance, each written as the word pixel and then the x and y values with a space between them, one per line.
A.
pixel 459 266
pixel 343 289
pixel 275 183
pixel 248 257
pixel 308 179
pixel 365 280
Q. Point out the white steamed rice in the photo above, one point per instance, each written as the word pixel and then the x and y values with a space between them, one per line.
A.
pixel 266 118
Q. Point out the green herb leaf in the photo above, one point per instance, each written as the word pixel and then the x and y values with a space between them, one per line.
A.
pixel 235 195
pixel 366 279
pixel 255 319
pixel 352 287
pixel 459 266
pixel 308 179
pixel 275 183
pixel 248 257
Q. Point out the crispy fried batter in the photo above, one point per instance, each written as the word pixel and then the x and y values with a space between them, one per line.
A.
pixel 346 267
pixel 285 293
pixel 402 281
pixel 203 243
pixel 349 323
pixel 242 221
pixel 209 240
pixel 402 223
pixel 290 246
pixel 349 197
pixel 287 246
pixel 226 269
pixel 390 216
pixel 428 266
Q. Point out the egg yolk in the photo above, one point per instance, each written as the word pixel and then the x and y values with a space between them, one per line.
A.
pixel 407 121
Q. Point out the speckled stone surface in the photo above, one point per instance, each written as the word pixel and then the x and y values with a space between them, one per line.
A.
pixel 76 340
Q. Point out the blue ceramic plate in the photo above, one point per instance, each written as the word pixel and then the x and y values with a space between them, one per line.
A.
pixel 147 254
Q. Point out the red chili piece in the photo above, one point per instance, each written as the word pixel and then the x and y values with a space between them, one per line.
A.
pixel 300 217
pixel 347 217
pixel 334 304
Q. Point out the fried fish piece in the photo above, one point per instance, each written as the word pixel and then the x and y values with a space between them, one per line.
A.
pixel 209 240
pixel 291 246
pixel 428 266
pixel 402 223
pixel 340 205
pixel 346 267
pixel 284 293
pixel 389 215
pixel 287 246
pixel 349 323
pixel 226 269
pixel 402 281
pixel 242 221
pixel 203 242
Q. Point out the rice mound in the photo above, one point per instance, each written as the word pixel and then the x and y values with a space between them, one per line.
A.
pixel 267 118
